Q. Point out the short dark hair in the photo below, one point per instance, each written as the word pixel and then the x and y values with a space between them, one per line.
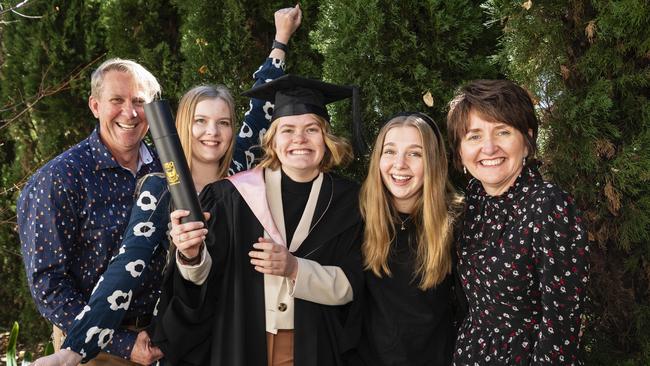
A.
pixel 496 101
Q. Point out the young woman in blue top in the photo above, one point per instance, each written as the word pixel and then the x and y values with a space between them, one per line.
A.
pixel 205 120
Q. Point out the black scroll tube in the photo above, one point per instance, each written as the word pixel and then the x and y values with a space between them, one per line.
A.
pixel 168 145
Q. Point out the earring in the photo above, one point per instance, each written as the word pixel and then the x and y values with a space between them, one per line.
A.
pixel 524 161
pixel 464 170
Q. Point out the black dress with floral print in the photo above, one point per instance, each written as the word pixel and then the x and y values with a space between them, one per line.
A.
pixel 523 267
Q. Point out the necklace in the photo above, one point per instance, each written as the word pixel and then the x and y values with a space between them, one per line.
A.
pixel 403 222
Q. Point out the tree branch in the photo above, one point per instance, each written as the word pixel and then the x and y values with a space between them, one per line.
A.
pixel 45 92
pixel 13 8
pixel 27 16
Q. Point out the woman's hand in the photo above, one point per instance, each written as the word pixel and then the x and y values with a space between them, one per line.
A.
pixel 287 20
pixel 63 357
pixel 274 259
pixel 188 237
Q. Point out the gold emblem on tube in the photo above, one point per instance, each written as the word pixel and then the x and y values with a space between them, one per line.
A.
pixel 170 172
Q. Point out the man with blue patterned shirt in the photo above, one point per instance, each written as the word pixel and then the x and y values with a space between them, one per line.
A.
pixel 73 211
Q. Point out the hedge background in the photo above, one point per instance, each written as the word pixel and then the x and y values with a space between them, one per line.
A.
pixel 586 62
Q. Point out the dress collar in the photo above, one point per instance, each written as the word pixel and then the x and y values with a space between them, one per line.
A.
pixel 529 173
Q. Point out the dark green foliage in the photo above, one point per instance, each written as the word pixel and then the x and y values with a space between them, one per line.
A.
pixel 17 303
pixel 302 59
pixel 588 63
pixel 399 51
pixel 215 40
pixel 45 85
pixel 43 59
pixel 148 33
pixel 225 42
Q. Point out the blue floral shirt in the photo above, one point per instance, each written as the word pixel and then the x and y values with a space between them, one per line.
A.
pixel 71 215
pixel 146 235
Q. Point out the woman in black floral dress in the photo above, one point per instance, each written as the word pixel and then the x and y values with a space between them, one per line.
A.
pixel 522 247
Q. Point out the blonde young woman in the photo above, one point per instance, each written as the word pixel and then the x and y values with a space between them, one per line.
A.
pixel 408 206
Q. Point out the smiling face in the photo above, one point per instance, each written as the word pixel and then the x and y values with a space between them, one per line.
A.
pixel 211 131
pixel 402 166
pixel 493 153
pixel 299 145
pixel 120 110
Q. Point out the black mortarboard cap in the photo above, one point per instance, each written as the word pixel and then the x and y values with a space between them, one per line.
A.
pixel 294 95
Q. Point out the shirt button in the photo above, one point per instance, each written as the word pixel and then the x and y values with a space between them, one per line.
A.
pixel 282 306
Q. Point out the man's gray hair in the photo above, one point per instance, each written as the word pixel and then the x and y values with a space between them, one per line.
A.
pixel 142 77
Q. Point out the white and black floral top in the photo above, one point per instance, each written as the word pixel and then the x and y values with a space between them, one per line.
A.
pixel 522 261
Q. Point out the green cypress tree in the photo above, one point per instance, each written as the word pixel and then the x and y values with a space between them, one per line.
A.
pixel 215 42
pixel 398 52
pixel 148 33
pixel 44 97
pixel 303 58
pixel 226 42
pixel 586 62
pixel 46 71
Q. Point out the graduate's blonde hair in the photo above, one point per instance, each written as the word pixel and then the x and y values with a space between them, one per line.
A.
pixel 338 151
pixel 433 214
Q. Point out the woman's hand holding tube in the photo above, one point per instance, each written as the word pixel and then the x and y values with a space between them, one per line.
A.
pixel 274 259
pixel 188 237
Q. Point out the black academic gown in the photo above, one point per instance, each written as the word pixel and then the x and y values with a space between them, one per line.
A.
pixel 222 322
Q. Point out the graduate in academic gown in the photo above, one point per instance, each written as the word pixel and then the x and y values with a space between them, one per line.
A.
pixel 269 279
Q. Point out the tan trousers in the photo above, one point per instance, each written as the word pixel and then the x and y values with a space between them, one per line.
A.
pixel 279 348
pixel 102 359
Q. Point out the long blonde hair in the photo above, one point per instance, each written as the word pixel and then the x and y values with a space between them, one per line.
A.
pixel 185 118
pixel 433 213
